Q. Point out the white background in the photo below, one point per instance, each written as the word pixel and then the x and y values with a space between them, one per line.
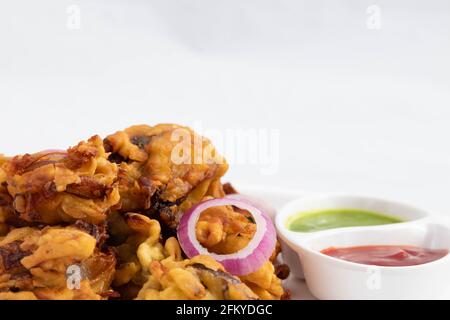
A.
pixel 359 110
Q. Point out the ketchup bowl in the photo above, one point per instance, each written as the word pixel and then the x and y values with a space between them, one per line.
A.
pixel 305 205
pixel 333 277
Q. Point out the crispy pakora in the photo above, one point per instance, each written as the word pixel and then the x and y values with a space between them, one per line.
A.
pixel 35 263
pixel 164 169
pixel 146 262
pixel 161 272
pixel 54 186
pixel 99 220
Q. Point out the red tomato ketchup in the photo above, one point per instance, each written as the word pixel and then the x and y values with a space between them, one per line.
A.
pixel 388 256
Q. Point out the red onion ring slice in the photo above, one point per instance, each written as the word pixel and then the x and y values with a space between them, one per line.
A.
pixel 246 260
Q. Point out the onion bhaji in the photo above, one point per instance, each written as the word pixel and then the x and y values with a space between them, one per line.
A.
pixel 143 255
pixel 160 271
pixel 164 169
pixel 109 209
pixel 52 186
pixel 34 263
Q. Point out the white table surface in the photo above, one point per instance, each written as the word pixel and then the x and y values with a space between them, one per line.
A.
pixel 358 110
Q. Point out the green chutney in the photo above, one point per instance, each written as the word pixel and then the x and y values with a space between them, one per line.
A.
pixel 337 218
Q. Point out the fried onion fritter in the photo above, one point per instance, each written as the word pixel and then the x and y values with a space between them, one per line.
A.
pixel 34 262
pixel 199 278
pixel 164 169
pixel 160 271
pixel 170 277
pixel 53 187
pixel 109 208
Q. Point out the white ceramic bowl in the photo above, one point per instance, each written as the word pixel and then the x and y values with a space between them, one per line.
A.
pixel 331 278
